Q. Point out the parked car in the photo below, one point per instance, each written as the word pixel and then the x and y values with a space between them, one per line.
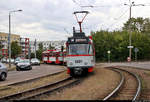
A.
pixel 35 61
pixel 3 60
pixel 23 65
pixel 11 60
pixel 17 60
pixel 3 72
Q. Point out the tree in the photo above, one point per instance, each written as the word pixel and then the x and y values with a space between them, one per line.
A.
pixel 39 51
pixel 32 55
pixel 117 42
pixel 40 46
pixel 51 47
pixel 1 44
pixel 138 24
pixel 15 49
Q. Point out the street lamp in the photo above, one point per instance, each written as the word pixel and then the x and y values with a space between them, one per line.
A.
pixel 108 55
pixel 9 45
pixel 130 42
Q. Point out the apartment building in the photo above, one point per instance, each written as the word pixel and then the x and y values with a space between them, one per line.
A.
pixel 23 42
pixel 47 44
pixel 4 42
pixel 4 39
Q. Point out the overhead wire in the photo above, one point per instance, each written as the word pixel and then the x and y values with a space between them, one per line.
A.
pixel 118 19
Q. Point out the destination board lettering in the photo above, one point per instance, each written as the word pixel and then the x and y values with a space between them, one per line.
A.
pixel 81 40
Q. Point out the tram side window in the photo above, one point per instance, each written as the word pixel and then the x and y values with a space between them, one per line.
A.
pixel 50 54
pixel 90 50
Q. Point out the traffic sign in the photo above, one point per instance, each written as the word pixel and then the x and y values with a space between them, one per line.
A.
pixel 130 46
pixel 136 49
pixel 128 59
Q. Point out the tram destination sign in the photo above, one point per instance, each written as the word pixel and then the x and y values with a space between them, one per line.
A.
pixel 78 40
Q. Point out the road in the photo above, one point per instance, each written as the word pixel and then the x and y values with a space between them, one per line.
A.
pixel 37 71
pixel 142 65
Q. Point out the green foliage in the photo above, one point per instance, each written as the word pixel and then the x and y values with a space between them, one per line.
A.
pixel 138 24
pixel 40 46
pixel 39 51
pixel 1 45
pixel 32 55
pixel 15 49
pixel 117 42
pixel 39 54
pixel 51 47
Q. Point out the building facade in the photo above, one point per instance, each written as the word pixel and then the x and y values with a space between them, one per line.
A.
pixel 23 42
pixel 47 44
pixel 4 39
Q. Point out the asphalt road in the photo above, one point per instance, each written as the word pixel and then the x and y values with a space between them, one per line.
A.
pixel 141 65
pixel 37 71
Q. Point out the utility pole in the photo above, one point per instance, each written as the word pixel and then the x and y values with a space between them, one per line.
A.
pixel 35 48
pixel 131 4
pixel 29 53
pixel 9 42
pixel 130 34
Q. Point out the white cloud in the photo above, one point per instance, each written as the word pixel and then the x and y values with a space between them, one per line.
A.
pixel 46 19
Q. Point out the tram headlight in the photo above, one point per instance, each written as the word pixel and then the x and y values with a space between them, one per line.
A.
pixel 70 63
pixel 85 63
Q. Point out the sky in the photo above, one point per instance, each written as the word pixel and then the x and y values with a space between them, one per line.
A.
pixel 50 20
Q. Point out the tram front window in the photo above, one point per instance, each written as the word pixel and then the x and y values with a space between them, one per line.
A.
pixel 79 49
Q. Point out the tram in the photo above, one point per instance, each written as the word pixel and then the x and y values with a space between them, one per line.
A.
pixel 53 56
pixel 48 56
pixel 80 52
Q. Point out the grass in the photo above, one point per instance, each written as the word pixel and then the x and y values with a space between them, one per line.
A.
pixel 12 69
pixel 4 88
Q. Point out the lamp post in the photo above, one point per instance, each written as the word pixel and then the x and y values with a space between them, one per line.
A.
pixel 131 4
pixel 9 40
pixel 108 55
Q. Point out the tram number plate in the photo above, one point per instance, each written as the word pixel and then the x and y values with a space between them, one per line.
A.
pixel 78 61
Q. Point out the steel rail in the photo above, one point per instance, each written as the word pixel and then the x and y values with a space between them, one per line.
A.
pixel 117 88
pixel 20 94
pixel 138 91
pixel 139 83
pixel 48 92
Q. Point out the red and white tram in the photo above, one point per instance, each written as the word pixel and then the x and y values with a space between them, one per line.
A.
pixel 48 56
pixel 80 51
pixel 80 54
pixel 53 56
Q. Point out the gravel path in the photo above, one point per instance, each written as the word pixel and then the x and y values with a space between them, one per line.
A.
pixel 95 87
pixel 141 65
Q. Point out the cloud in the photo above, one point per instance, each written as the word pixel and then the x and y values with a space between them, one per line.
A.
pixel 47 19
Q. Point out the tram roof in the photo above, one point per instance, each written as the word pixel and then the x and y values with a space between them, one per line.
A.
pixel 78 38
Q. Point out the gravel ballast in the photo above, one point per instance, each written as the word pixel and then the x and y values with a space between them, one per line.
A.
pixel 94 87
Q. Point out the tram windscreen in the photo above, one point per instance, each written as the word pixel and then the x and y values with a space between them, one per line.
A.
pixel 80 49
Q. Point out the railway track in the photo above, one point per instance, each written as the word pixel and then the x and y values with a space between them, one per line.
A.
pixel 129 87
pixel 144 77
pixel 37 93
